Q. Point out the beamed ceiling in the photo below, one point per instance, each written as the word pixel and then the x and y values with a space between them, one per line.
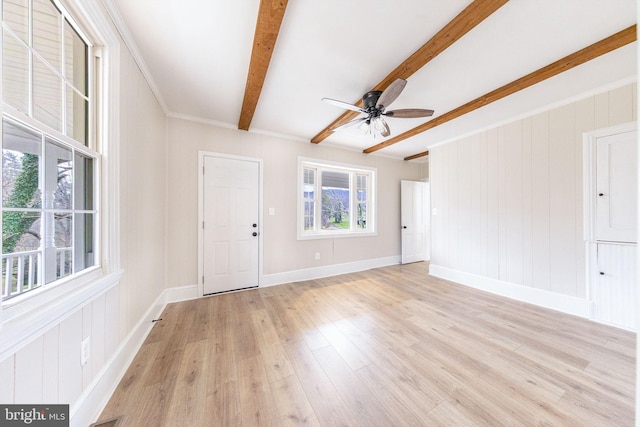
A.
pixel 263 66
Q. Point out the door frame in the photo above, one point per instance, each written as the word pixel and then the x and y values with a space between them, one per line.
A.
pixel 201 157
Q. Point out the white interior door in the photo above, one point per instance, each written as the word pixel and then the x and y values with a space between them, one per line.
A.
pixel 617 187
pixel 414 214
pixel 231 192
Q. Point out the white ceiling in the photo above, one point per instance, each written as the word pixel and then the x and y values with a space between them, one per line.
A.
pixel 196 55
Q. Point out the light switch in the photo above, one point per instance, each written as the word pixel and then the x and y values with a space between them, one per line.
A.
pixel 272 211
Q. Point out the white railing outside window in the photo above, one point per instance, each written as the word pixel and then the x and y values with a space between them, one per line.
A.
pixel 20 273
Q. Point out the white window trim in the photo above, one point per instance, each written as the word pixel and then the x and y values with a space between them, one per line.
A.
pixel 371 200
pixel 23 320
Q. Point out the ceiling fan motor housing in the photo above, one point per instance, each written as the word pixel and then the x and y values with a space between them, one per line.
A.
pixel 370 99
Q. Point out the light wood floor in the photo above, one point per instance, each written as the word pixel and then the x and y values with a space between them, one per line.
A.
pixel 386 347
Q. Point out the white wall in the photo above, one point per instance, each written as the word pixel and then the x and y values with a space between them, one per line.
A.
pixel 509 200
pixel 47 369
pixel 283 253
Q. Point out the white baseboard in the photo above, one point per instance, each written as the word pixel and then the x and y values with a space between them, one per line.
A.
pixel 182 293
pixel 93 400
pixel 326 271
pixel 559 302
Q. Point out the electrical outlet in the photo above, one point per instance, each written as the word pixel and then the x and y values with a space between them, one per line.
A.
pixel 85 351
pixel 317 255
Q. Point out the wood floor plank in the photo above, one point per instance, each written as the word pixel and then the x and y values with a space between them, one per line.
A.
pixel 292 403
pixel 390 346
pixel 272 354
pixel 365 407
pixel 255 395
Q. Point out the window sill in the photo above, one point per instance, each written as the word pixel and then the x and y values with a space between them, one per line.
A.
pixel 24 319
pixel 335 235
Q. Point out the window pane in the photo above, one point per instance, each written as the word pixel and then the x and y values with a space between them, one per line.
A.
pixel 361 214
pixel 15 13
pixel 75 59
pixel 63 244
pixel 335 200
pixel 59 175
pixel 47 34
pixel 20 231
pixel 83 182
pixel 15 73
pixel 47 95
pixel 77 107
pixel 20 167
pixel 309 214
pixel 84 241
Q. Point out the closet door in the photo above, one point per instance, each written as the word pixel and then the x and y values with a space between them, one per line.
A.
pixel 613 288
pixel 617 187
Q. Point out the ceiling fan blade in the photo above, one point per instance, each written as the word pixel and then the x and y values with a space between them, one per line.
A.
pixel 349 124
pixel 409 113
pixel 391 93
pixel 342 104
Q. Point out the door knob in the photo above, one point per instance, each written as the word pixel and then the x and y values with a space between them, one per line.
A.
pixel 600 194
pixel 254 234
pixel 602 273
pixel 404 226
pixel 255 225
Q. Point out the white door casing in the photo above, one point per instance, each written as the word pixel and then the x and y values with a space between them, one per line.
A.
pixel 414 217
pixel 230 202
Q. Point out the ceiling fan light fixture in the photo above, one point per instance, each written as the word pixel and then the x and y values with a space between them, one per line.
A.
pixel 364 126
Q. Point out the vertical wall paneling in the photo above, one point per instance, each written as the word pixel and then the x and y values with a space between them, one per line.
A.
pixel 69 358
pixel 476 249
pixel 484 205
pixel 87 369
pixel 621 105
pixel 601 105
pixel 502 203
pixel 527 203
pixel 493 247
pixel 513 203
pixel 51 361
pixel 452 215
pixel 437 229
pixel 464 204
pixel 540 200
pixel 562 201
pixel 98 323
pixel 28 373
pixel 523 222
pixel 7 371
pixel 585 122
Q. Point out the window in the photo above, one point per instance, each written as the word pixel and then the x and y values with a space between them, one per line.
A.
pixel 48 159
pixel 335 200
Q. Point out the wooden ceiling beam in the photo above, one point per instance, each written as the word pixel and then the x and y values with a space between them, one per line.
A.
pixel 593 51
pixel 270 15
pixel 417 156
pixel 472 15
